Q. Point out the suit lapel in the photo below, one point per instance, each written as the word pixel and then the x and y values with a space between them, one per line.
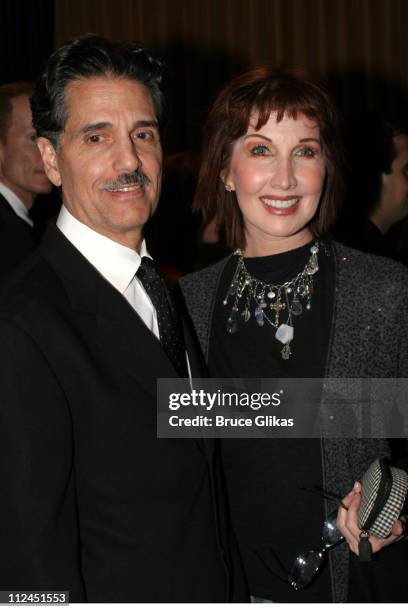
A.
pixel 121 334
pixel 133 344
pixel 119 331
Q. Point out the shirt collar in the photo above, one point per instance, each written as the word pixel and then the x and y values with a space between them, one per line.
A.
pixel 16 204
pixel 117 263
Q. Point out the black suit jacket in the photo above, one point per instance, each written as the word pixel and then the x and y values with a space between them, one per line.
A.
pixel 17 239
pixel 90 500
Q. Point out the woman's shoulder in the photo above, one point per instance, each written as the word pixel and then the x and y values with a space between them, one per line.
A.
pixel 199 290
pixel 367 267
pixel 203 281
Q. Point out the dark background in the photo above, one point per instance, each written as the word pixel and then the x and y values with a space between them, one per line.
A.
pixel 359 46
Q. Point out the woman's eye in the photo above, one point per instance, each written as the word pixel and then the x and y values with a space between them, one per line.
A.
pixel 260 149
pixel 306 152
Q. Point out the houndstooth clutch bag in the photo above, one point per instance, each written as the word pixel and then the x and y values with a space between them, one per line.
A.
pixel 384 489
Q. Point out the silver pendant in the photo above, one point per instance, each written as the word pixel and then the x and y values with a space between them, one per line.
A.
pixel 246 315
pixel 286 352
pixel 284 333
pixel 296 307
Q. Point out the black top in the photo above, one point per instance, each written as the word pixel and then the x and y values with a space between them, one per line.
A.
pixel 17 239
pixel 272 484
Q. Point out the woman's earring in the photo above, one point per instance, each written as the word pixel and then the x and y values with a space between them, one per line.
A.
pixel 228 188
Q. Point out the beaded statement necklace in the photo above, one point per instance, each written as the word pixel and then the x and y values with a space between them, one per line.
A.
pixel 269 301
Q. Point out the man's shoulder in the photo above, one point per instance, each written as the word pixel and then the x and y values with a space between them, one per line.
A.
pixel 10 222
pixel 33 290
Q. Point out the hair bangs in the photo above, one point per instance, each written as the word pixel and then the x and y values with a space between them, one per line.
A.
pixel 285 103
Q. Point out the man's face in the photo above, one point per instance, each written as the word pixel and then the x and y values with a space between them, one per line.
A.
pixel 109 158
pixel 395 184
pixel 21 168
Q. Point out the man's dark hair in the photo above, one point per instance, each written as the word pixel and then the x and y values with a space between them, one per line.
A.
pixel 370 152
pixel 8 91
pixel 86 57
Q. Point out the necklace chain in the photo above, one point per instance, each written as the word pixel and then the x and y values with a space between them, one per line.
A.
pixel 271 302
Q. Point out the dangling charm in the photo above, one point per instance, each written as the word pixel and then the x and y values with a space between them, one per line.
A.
pixel 259 316
pixel 277 307
pixel 313 264
pixel 286 352
pixel 232 323
pixel 296 307
pixel 284 333
pixel 246 315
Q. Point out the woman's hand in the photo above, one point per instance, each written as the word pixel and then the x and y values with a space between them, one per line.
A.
pixel 347 523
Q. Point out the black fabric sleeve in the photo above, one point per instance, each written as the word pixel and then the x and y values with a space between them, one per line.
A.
pixel 39 542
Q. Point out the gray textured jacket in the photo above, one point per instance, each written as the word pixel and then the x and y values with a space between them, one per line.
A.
pixel 369 339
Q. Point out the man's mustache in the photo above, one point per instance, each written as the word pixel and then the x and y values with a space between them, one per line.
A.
pixel 134 178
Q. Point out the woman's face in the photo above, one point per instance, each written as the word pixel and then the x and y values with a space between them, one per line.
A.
pixel 277 173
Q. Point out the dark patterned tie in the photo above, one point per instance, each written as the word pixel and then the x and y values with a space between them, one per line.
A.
pixel 171 336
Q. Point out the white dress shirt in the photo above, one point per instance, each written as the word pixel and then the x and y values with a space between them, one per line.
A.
pixel 118 264
pixel 16 204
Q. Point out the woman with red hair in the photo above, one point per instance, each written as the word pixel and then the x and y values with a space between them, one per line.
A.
pixel 291 303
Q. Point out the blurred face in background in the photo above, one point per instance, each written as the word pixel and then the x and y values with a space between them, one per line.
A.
pixel 394 197
pixel 277 173
pixel 21 167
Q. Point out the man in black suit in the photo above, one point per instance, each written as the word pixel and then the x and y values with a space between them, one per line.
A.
pixel 22 175
pixel 91 501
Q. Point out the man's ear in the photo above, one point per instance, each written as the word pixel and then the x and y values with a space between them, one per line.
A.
pixel 50 160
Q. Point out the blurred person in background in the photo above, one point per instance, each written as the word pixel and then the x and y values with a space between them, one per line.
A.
pixel 22 175
pixel 377 185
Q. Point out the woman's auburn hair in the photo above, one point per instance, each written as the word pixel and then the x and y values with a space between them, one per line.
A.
pixel 264 90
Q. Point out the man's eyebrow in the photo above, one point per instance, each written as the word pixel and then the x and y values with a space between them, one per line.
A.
pixel 101 125
pixel 91 127
pixel 147 123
